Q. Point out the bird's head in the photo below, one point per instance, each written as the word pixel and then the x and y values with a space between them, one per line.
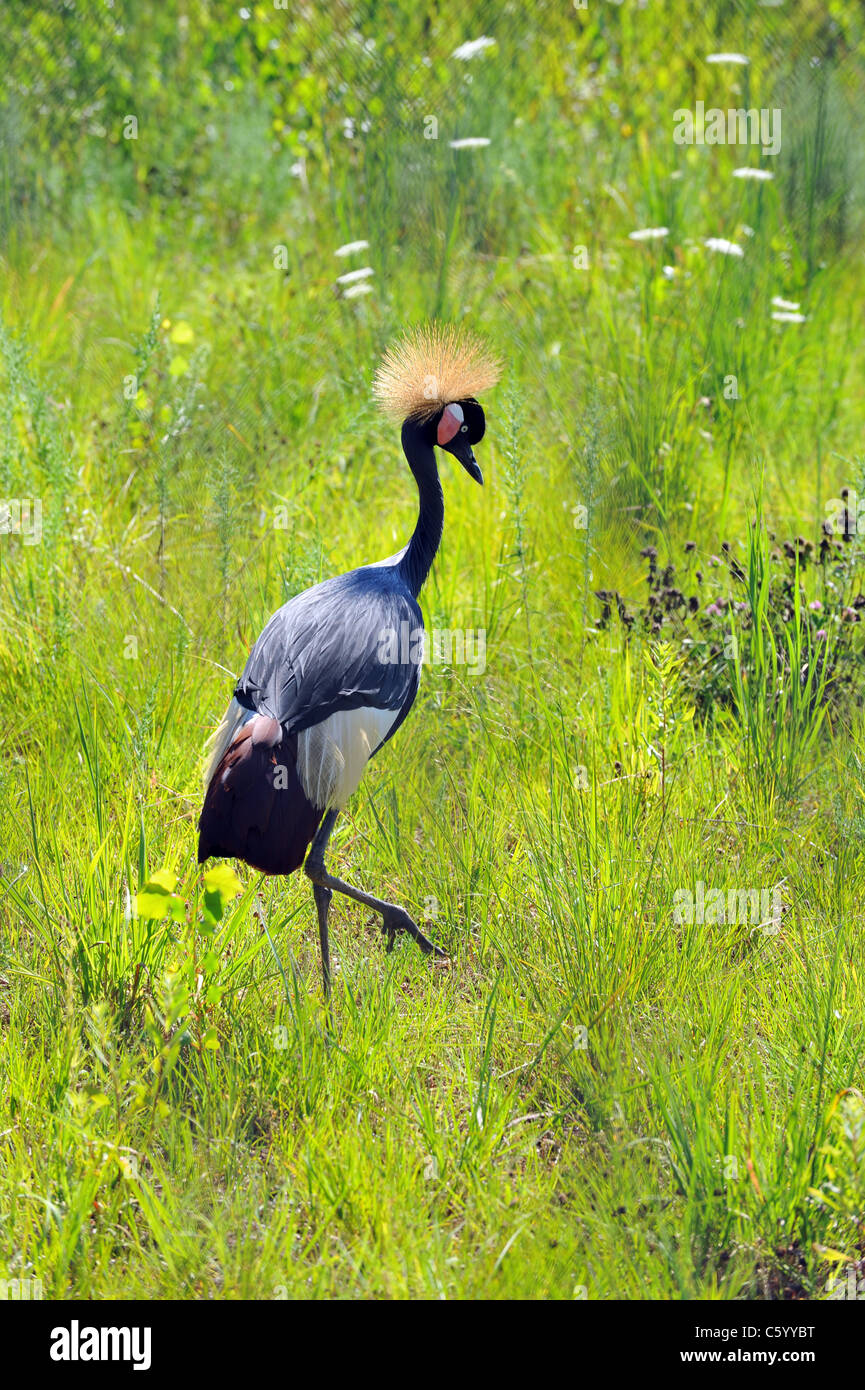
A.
pixel 430 379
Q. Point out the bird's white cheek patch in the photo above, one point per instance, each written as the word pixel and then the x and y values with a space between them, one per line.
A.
pixel 449 424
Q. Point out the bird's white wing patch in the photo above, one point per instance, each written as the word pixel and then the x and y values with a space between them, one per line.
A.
pixel 332 755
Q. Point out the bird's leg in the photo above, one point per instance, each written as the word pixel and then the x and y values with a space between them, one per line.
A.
pixel 322 897
pixel 322 893
pixel 393 918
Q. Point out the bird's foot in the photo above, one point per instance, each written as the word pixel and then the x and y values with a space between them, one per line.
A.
pixel 395 919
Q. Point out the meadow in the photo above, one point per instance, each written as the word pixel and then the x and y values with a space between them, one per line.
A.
pixel 637 825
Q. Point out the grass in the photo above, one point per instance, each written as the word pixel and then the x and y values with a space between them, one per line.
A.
pixel 601 1098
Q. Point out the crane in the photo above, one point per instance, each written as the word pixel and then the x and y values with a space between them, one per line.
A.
pixel 329 681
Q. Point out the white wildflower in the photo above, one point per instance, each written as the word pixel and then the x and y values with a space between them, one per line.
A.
pixel 350 248
pixel 749 172
pixel 719 243
pixel 351 276
pixel 467 51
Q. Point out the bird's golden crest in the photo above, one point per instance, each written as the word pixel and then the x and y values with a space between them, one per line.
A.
pixel 432 366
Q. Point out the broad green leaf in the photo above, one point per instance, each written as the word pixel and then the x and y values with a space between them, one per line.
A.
pixel 220 885
pixel 182 332
pixel 157 898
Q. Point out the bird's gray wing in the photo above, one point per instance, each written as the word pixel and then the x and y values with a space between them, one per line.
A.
pixel 351 642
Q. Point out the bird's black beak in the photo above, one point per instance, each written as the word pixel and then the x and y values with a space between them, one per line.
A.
pixel 471 467
pixel 465 454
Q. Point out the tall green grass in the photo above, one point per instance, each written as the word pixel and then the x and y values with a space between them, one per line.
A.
pixel 599 1099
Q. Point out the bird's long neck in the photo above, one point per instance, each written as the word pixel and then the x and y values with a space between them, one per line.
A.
pixel 416 562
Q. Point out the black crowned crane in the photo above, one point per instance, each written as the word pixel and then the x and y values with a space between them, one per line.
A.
pixel 331 679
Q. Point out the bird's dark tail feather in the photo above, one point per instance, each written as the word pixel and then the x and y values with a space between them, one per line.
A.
pixel 255 807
